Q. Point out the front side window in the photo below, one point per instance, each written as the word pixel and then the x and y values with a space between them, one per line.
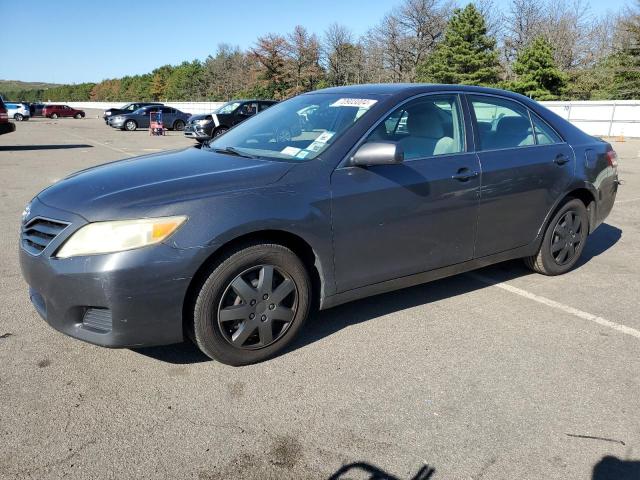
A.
pixel 501 123
pixel 298 129
pixel 424 127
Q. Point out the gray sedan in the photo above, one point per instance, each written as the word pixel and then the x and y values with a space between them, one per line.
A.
pixel 172 118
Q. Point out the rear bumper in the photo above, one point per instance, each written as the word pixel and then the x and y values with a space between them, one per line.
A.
pixel 7 128
pixel 126 299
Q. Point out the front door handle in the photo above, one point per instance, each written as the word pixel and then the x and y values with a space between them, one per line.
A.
pixel 561 159
pixel 464 175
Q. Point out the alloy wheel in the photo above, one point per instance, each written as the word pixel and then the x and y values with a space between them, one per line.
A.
pixel 257 307
pixel 567 237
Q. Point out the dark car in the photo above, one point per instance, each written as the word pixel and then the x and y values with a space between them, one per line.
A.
pixel 128 108
pixel 36 109
pixel 231 243
pixel 172 118
pixel 55 111
pixel 205 127
pixel 5 125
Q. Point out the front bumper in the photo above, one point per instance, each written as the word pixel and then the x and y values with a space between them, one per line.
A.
pixel 196 131
pixel 138 295
pixel 115 123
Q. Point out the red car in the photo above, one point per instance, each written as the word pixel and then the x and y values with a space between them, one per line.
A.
pixel 5 125
pixel 55 111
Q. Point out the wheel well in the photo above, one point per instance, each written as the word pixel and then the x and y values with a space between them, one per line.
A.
pixel 586 197
pixel 297 245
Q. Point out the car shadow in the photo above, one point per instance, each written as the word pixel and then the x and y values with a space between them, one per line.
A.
pixel 612 468
pixel 325 323
pixel 4 148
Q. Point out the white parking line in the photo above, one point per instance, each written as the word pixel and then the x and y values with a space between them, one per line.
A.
pixel 628 200
pixel 560 306
pixel 95 142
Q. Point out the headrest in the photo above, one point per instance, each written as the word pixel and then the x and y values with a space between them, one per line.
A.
pixel 424 121
pixel 513 126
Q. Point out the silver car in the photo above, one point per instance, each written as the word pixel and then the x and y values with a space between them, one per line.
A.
pixel 172 118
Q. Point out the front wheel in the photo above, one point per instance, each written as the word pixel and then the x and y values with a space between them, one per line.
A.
pixel 563 241
pixel 178 125
pixel 77 116
pixel 130 125
pixel 219 131
pixel 252 304
pixel 18 117
pixel 54 116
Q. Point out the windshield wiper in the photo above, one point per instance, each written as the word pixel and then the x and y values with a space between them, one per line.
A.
pixel 233 151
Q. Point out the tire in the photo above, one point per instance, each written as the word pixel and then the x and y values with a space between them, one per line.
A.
pixel 178 125
pixel 563 241
pixel 130 125
pixel 18 117
pixel 220 131
pixel 250 334
pixel 77 116
pixel 54 116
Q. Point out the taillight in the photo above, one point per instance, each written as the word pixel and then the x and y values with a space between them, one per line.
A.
pixel 4 116
pixel 612 158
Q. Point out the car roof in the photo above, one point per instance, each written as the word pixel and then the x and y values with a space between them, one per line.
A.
pixel 412 88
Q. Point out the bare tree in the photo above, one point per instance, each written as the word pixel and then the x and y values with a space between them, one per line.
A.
pixel 343 57
pixel 408 34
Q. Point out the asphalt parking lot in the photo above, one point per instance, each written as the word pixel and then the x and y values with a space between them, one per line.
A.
pixel 499 374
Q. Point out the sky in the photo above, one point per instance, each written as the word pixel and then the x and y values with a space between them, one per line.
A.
pixel 73 41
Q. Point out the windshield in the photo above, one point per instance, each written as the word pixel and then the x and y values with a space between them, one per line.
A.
pixel 228 107
pixel 299 129
pixel 129 106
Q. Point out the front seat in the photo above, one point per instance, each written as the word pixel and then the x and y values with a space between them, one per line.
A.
pixel 426 133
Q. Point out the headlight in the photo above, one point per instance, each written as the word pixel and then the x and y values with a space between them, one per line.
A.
pixel 107 113
pixel 201 122
pixel 116 236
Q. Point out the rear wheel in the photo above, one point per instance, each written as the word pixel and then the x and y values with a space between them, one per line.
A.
pixel 563 241
pixel 18 117
pixel 178 125
pixel 252 304
pixel 130 125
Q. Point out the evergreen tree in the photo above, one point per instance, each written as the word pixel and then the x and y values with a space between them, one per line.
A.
pixel 466 55
pixel 537 75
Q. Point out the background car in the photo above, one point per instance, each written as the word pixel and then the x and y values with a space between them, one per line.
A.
pixel 35 109
pixel 18 111
pixel 55 111
pixel 5 125
pixel 128 108
pixel 205 127
pixel 172 118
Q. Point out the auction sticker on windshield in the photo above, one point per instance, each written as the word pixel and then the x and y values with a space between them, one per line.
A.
pixel 354 102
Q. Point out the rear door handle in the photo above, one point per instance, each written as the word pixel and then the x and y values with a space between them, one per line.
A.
pixel 464 175
pixel 561 159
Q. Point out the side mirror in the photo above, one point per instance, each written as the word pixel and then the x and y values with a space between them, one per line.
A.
pixel 378 153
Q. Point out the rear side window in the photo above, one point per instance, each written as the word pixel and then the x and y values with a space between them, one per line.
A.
pixel 501 123
pixel 545 135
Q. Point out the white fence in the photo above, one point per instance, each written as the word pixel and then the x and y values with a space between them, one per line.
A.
pixel 602 118
pixel 188 107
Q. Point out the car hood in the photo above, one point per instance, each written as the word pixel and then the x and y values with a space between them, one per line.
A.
pixel 155 184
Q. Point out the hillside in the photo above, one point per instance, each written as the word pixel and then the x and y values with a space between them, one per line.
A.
pixel 14 85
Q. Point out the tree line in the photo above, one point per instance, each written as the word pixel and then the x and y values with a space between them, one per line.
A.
pixel 545 49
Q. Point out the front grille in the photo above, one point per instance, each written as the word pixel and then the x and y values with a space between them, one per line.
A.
pixel 98 319
pixel 38 233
